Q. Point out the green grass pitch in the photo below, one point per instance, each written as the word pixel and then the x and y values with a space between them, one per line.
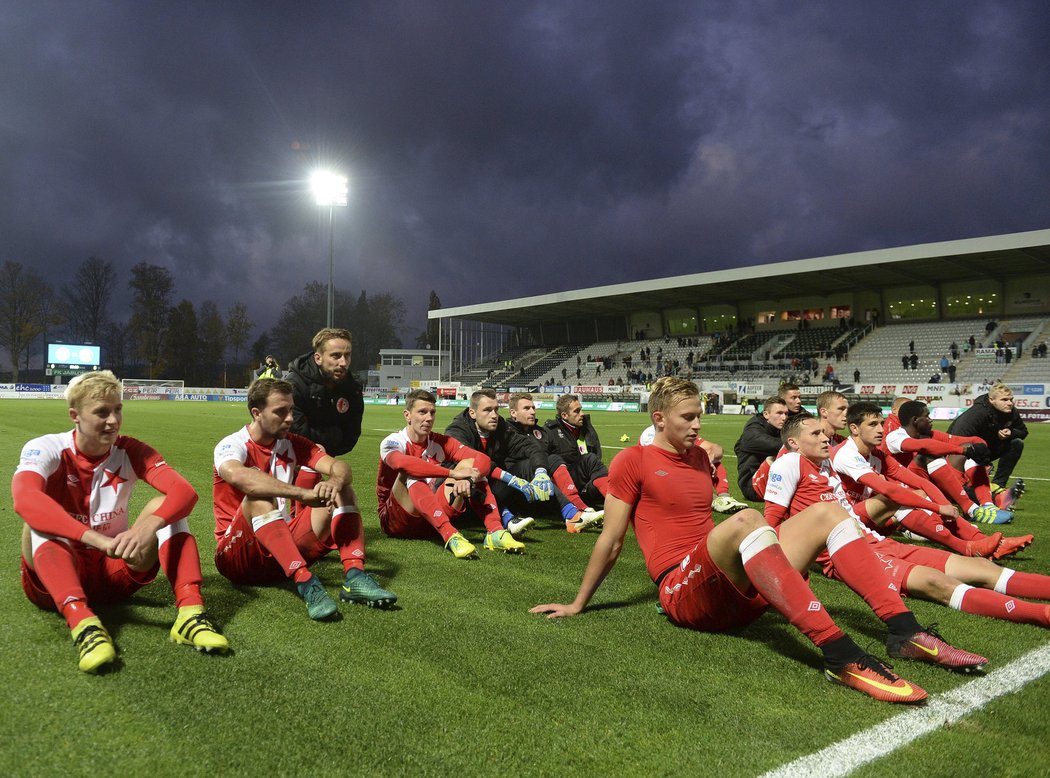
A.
pixel 461 679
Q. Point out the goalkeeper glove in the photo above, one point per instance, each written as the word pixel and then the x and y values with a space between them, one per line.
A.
pixel 517 483
pixel 542 486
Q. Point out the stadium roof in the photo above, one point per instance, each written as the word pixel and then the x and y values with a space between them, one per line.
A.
pixel 995 257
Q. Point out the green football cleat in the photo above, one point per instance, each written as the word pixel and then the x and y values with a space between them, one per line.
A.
pixel 94 644
pixel 360 587
pixel 318 602
pixel 192 627
pixel 460 547
pixel 502 540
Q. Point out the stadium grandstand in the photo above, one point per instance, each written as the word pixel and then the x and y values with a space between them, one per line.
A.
pixel 974 311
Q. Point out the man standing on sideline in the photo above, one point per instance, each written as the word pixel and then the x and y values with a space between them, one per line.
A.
pixel 72 491
pixel 268 527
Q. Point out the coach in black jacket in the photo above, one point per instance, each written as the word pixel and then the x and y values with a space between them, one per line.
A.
pixel 329 403
pixel 760 439
pixel 995 420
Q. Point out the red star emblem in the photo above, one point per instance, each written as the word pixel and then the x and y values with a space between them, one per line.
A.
pixel 113 479
pixel 283 459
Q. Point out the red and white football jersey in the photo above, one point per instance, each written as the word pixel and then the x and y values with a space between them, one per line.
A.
pixel 851 466
pixel 93 490
pixel 282 461
pixel 797 483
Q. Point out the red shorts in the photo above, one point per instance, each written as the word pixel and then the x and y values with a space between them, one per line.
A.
pixel 104 579
pixel 696 594
pixel 898 559
pixel 243 560
pixel 399 523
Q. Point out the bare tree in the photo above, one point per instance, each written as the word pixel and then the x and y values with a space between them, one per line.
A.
pixel 182 345
pixel 151 286
pixel 212 331
pixel 238 329
pixel 87 299
pixel 23 311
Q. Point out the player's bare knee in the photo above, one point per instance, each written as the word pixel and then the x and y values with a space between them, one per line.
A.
pixel 743 523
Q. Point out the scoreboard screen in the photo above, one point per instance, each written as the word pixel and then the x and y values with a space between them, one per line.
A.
pixel 69 355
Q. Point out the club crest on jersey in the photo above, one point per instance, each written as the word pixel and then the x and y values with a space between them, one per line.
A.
pixel 342 405
pixel 537 434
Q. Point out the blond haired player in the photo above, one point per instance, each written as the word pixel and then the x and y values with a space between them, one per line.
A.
pixel 78 547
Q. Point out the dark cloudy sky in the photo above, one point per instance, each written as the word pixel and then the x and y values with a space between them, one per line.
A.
pixel 499 149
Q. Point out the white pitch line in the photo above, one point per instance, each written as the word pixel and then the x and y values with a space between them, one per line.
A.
pixel 847 755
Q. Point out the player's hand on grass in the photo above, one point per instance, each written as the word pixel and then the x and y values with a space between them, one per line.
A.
pixel 555 610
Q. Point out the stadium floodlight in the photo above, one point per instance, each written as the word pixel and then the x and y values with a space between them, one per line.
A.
pixel 330 191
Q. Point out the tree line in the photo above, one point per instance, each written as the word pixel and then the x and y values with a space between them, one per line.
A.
pixel 159 338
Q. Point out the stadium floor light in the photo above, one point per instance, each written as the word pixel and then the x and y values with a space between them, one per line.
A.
pixel 330 191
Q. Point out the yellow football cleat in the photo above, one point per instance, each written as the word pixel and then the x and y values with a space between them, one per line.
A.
pixel 460 547
pixel 94 643
pixel 502 540
pixel 192 627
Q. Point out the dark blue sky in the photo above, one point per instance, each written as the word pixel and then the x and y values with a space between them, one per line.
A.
pixel 504 149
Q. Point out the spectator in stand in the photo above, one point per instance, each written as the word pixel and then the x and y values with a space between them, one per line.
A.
pixel 905 362
pixel 951 373
pixel 914 360
pixel 856 376
pixel 269 368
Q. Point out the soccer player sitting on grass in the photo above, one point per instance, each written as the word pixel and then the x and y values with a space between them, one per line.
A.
pixel 926 451
pixel 575 453
pixel 577 514
pixel 426 479
pixel 72 491
pixel 521 468
pixel 804 477
pixel 914 443
pixel 882 491
pixel 720 578
pixel 267 528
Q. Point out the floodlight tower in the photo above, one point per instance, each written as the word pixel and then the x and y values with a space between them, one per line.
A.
pixel 330 191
